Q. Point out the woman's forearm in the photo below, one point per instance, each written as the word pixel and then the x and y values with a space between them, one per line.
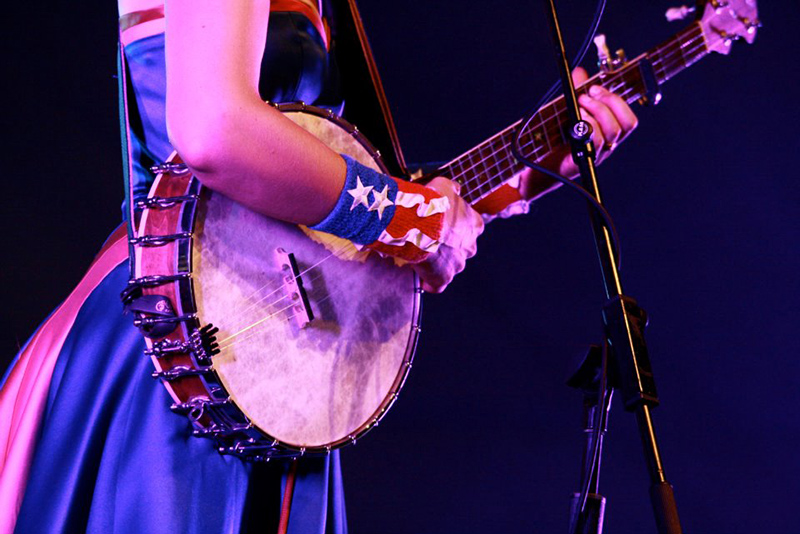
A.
pixel 235 143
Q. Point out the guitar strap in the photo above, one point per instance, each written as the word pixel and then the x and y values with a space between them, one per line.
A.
pixel 365 101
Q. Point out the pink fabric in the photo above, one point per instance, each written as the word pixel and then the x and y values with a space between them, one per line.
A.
pixel 24 395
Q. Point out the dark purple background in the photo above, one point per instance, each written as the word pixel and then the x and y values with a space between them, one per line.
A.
pixel 486 437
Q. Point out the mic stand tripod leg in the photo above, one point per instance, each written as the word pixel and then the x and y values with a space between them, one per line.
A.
pixel 587 507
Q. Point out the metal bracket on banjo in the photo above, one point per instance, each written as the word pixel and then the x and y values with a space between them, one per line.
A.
pixel 158 240
pixel 144 322
pixel 196 407
pixel 181 371
pixel 157 280
pixel 220 431
pixel 164 202
pixel 260 451
pixel 202 344
pixel 177 169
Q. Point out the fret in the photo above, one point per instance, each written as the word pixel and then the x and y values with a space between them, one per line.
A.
pixel 658 67
pixel 526 140
pixel 551 119
pixel 480 170
pixel 470 161
pixel 680 52
pixel 695 48
pixel 672 57
pixel 658 58
pixel 507 164
pixel 543 131
pixel 450 170
pixel 453 171
pixel 681 46
pixel 492 160
pixel 473 180
pixel 628 80
pixel 498 172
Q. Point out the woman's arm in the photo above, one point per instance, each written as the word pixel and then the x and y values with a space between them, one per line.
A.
pixel 237 145
pixel 234 142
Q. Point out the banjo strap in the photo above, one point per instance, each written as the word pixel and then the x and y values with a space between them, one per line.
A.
pixel 366 103
pixel 127 160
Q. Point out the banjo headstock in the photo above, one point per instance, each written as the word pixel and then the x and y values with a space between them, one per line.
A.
pixel 725 21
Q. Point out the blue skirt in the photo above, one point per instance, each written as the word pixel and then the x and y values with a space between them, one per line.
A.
pixel 108 455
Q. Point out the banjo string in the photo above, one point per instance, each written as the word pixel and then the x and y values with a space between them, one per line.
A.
pixel 241 313
pixel 269 284
pixel 250 327
pixel 259 321
pixel 253 330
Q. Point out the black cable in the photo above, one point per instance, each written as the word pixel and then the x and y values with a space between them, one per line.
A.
pixel 587 41
pixel 517 150
pixel 598 425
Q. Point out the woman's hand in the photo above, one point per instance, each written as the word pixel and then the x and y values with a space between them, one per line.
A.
pixel 462 226
pixel 612 121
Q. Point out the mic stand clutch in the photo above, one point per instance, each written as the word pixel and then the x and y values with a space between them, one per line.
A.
pixel 621 314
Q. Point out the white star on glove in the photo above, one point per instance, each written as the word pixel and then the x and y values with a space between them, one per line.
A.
pixel 380 201
pixel 360 194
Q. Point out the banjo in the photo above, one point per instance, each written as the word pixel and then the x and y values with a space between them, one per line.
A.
pixel 278 341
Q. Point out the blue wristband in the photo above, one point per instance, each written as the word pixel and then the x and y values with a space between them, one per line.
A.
pixel 365 207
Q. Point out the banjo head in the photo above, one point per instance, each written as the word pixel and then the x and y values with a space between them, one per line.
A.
pixel 298 387
pixel 311 386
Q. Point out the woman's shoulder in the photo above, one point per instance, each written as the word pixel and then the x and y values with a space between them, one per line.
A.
pixel 127 7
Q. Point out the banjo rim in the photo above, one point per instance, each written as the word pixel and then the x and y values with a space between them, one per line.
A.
pixel 190 378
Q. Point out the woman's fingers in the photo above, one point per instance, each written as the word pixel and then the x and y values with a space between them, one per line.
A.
pixel 617 106
pixel 579 75
pixel 604 118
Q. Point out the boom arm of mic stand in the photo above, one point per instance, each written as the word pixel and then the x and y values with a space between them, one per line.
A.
pixel 624 320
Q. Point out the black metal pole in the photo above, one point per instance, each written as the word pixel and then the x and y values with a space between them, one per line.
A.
pixel 624 320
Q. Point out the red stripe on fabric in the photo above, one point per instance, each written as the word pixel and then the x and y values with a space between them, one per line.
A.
pixel 24 395
pixel 407 252
pixel 130 20
pixel 406 219
pixel 288 493
pixel 301 7
pixel 410 187
pixel 135 18
pixel 498 200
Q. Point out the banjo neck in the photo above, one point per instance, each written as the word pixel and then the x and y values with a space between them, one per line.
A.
pixel 486 167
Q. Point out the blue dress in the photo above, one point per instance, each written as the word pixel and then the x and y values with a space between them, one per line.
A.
pixel 104 452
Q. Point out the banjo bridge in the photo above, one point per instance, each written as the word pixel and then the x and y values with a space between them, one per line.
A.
pixel 291 278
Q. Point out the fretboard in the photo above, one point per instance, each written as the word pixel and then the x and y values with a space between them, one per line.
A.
pixel 483 169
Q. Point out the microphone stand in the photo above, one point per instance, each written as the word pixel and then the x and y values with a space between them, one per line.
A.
pixel 624 320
